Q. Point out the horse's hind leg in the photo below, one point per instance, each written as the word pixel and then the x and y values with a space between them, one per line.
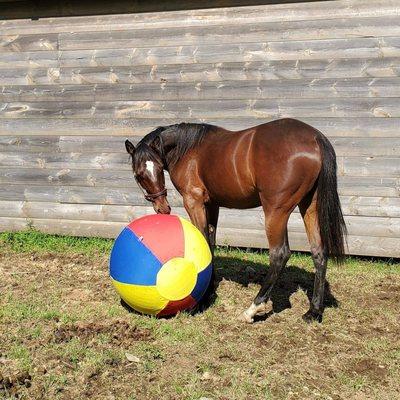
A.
pixel 308 209
pixel 279 253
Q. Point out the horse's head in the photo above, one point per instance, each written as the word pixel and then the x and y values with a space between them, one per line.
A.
pixel 148 171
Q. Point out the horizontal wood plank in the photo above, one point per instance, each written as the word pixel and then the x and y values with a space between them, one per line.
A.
pixel 102 178
pixel 82 195
pixel 232 219
pixel 75 160
pixel 29 143
pixel 333 49
pixel 165 91
pixel 332 127
pixel 200 72
pixel 369 166
pixel 369 147
pixel 245 32
pixel 371 206
pixel 348 185
pixel 217 72
pixel 365 245
pixel 344 146
pixel 351 205
pixel 253 32
pixel 112 156
pixel 208 109
pixel 17 43
pixel 214 16
pixel 100 146
pixel 368 186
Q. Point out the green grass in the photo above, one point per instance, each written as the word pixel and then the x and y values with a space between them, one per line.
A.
pixel 34 241
pixel 20 353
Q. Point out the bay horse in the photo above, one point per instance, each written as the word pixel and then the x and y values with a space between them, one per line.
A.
pixel 277 165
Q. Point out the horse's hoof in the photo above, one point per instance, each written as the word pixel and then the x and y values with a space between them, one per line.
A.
pixel 252 311
pixel 246 317
pixel 311 316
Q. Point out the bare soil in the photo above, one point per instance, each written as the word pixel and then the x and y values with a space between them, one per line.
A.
pixel 65 335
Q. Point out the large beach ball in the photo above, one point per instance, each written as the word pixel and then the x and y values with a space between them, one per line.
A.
pixel 161 264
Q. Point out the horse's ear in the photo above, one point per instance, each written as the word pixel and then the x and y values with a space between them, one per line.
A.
pixel 130 148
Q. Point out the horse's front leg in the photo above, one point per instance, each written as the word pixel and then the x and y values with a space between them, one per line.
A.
pixel 205 218
pixel 212 211
pixel 196 210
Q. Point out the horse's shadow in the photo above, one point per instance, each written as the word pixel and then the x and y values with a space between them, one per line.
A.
pixel 246 272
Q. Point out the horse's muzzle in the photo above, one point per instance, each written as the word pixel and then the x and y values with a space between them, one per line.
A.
pixel 161 206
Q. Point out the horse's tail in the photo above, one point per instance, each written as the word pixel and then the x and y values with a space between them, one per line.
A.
pixel 332 227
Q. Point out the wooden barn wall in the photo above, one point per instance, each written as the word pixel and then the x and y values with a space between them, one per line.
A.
pixel 73 88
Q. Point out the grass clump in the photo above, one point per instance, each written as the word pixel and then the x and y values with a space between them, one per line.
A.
pixel 33 241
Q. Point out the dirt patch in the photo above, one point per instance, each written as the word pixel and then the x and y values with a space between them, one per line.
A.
pixel 388 292
pixel 11 384
pixel 120 332
pixel 371 368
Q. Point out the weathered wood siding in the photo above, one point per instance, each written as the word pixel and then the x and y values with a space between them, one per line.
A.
pixel 73 88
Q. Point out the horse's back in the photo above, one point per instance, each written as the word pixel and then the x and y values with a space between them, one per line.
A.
pixel 285 128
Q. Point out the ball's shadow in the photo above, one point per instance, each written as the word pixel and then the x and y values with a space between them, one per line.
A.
pixel 133 311
pixel 246 272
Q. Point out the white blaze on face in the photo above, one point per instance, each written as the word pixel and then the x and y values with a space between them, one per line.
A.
pixel 150 168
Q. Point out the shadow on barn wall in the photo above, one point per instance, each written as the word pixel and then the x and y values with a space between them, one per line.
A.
pixel 45 8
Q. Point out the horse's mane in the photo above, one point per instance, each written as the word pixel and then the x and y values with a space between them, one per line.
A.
pixel 185 136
